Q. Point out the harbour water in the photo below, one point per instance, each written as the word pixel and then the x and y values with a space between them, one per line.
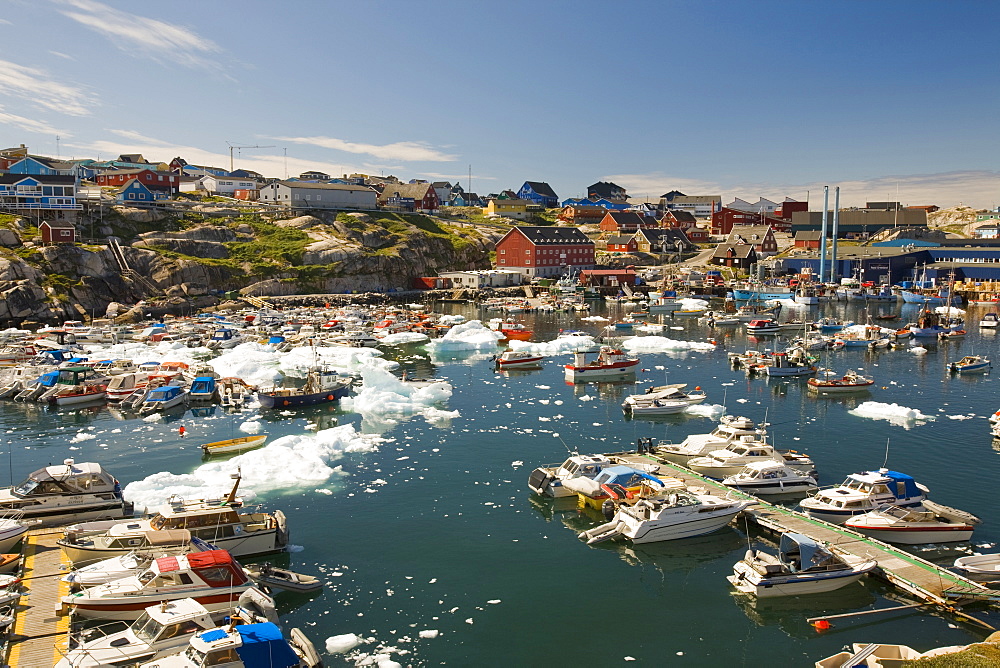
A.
pixel 434 551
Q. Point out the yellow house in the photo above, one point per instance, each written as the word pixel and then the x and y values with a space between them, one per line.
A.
pixel 509 208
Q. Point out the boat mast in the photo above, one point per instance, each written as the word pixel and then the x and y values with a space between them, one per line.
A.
pixel 236 485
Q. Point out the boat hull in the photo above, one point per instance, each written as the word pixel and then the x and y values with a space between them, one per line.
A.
pixel 131 607
pixel 234 445
pixel 915 536
pixel 583 374
pixel 929 300
pixel 648 532
pixel 268 400
pixel 796 584
pixel 760 295
pixel 244 544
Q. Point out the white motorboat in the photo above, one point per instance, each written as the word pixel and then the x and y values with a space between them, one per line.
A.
pixel 611 364
pixel 274 577
pixel 663 400
pixel 980 567
pixel 989 321
pixel 862 493
pixel 927 523
pixel 802 566
pixel 160 630
pixel 136 561
pixel 244 646
pixel 163 398
pixel 211 578
pixel 879 655
pixel 794 363
pixel 122 385
pixel 548 480
pixel 55 494
pixel 721 464
pixel 677 514
pixel 730 430
pixel 770 478
pixel 518 359
pixel 763 327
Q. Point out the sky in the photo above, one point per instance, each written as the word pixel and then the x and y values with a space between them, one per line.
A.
pixel 890 100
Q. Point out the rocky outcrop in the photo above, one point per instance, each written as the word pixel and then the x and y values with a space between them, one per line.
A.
pixel 9 238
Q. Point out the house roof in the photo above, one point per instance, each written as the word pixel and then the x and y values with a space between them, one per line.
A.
pixel 321 186
pixel 132 157
pixel 740 251
pixel 620 240
pixel 414 190
pixel 59 224
pixel 587 208
pixel 656 235
pixel 553 235
pixel 627 218
pixel 605 189
pixel 128 184
pixel 696 199
pixel 541 188
pixel 118 172
pixel 808 235
pixel 681 216
pixel 54 179
pixel 747 233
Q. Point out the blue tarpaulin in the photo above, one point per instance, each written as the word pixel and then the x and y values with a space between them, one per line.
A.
pixel 263 647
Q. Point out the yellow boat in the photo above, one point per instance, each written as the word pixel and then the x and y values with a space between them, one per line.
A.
pixel 232 445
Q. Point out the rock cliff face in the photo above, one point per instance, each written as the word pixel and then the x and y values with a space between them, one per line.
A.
pixel 308 254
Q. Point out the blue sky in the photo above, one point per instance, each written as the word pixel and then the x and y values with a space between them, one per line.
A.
pixel 743 99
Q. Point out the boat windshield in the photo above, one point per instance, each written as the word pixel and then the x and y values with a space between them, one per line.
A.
pixel 146 628
pixel 26 487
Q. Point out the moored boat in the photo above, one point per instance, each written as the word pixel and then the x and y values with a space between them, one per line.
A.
pixel 989 321
pixel 731 429
pixel 721 464
pixel 611 364
pixel 849 382
pixel 927 523
pixel 163 398
pixel 322 386
pixel 970 364
pixel 980 567
pixel 864 492
pixel 548 480
pixel 55 494
pixel 802 566
pixel 232 445
pixel 244 646
pixel 518 359
pixel 768 478
pixel 282 578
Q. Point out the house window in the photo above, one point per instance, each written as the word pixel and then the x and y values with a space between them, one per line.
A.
pixel 503 251
pixel 161 178
pixel 131 195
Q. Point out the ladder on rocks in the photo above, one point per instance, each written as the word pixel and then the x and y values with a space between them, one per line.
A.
pixel 257 301
pixel 127 272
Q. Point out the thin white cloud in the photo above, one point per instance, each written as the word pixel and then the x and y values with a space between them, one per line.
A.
pixel 409 151
pixel 60 54
pixel 975 188
pixel 38 88
pixel 5 22
pixel 457 177
pixel 29 124
pixel 136 34
pixel 156 150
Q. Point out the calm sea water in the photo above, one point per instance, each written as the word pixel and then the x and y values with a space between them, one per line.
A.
pixel 436 530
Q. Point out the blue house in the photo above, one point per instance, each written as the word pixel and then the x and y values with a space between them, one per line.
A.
pixel 26 192
pixel 540 193
pixel 604 203
pixel 135 191
pixel 34 164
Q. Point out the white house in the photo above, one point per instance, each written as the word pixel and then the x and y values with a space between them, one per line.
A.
pixel 761 206
pixel 492 278
pixel 226 185
pixel 302 195
pixel 701 206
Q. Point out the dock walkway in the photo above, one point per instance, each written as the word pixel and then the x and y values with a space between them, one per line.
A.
pixel 927 581
pixel 40 635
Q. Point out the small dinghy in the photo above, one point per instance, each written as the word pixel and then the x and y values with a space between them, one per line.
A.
pixel 282 578
pixel 981 567
pixel 232 445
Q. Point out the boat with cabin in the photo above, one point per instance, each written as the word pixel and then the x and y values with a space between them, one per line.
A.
pixel 611 364
pixel 163 398
pixel 322 386
pixel 802 566
pixel 548 480
pixel 762 326
pixel 849 382
pixel 731 429
pixel 670 516
pixel 970 364
pixel 720 464
pixel 989 321
pixel 213 579
pixel 862 493
pixel 927 523
pixel 618 480
pixel 518 359
pixel 663 400
pixel 769 478
pixel 244 646
pixel 55 494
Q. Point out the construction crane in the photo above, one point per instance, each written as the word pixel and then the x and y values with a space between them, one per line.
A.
pixel 235 146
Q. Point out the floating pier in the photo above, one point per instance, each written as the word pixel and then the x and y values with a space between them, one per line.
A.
pixel 40 634
pixel 926 581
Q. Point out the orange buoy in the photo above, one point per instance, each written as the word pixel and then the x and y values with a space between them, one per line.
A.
pixel 329 397
pixel 182 430
pixel 822 624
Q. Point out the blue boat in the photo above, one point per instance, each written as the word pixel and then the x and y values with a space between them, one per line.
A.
pixel 763 294
pixel 322 386
pixel 204 388
pixel 162 398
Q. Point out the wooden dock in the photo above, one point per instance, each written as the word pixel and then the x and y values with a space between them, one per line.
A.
pixel 929 582
pixel 39 634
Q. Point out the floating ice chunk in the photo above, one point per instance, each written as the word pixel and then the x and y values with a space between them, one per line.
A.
pixel 404 337
pixel 438 417
pixel 451 319
pixel 559 346
pixel 155 417
pixel 659 344
pixel 901 416
pixel 690 303
pixel 706 410
pixel 250 427
pixel 918 350
pixel 587 397
pixel 429 633
pixel 471 335
pixel 384 394
pixel 594 318
pixel 82 436
pixel 295 461
pixel 343 643
pixel 960 417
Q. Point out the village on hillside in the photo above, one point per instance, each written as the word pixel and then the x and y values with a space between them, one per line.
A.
pixel 600 238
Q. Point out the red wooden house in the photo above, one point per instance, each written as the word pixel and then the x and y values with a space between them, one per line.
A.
pixel 424 197
pixel 685 220
pixel 623 244
pixel 725 220
pixel 147 177
pixel 625 222
pixel 57 232
pixel 807 239
pixel 545 251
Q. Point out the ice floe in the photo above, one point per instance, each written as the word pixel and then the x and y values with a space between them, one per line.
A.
pixel 559 346
pixel 901 416
pixel 663 344
pixel 471 335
